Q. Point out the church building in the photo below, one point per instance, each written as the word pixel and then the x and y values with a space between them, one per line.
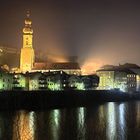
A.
pixel 27 56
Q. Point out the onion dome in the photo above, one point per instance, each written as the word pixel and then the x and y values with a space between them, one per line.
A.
pixel 28 29
pixel 27 20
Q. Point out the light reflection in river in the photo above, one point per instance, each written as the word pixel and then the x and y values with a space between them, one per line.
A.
pixel 109 121
pixel 122 122
pixel 55 118
pixel 81 114
pixel 23 126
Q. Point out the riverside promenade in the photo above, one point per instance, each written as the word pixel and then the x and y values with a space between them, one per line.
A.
pixel 35 100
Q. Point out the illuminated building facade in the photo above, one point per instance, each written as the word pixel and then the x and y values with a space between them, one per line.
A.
pixel 117 78
pixel 136 69
pixel 6 80
pixel 20 81
pixel 47 81
pixel 56 80
pixel 27 52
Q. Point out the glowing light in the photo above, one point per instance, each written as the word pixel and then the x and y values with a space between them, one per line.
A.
pixel 80 86
pixel 1 50
pixel 53 86
pixel 90 66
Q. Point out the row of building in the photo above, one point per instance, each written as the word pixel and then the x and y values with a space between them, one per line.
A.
pixel 123 77
pixel 56 80
pixel 49 75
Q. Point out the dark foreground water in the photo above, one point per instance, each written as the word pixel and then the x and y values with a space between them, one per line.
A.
pixel 109 121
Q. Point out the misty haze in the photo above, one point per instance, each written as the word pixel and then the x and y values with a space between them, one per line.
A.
pixel 97 32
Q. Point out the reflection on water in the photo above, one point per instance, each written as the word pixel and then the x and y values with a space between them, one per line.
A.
pixel 23 126
pixel 122 122
pixel 109 121
pixel 55 118
pixel 138 115
pixel 81 114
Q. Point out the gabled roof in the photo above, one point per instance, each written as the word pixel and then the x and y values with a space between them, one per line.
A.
pixel 40 65
pixel 63 66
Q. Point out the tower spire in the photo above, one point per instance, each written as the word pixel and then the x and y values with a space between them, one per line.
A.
pixel 28 21
pixel 28 13
pixel 27 51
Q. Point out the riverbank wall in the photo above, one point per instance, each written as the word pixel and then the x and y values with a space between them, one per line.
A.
pixel 34 100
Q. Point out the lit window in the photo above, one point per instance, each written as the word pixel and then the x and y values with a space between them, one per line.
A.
pixel 15 76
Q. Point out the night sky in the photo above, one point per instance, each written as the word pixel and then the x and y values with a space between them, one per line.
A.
pixel 98 32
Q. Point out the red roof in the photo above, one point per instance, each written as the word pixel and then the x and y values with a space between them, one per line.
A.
pixel 56 66
pixel 40 65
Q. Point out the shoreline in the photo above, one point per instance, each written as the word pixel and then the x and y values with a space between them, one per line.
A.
pixel 38 100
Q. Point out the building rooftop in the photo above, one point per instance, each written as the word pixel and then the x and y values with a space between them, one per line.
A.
pixel 118 69
pixel 56 66
pixel 129 65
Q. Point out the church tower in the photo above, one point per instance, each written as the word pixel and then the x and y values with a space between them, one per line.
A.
pixel 27 51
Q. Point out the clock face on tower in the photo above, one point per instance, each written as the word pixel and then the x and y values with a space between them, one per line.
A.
pixel 27 41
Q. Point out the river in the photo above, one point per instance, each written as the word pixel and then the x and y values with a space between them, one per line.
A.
pixel 108 121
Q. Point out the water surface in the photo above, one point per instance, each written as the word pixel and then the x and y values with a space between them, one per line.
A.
pixel 108 121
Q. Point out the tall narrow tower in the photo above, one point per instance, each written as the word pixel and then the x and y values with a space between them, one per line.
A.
pixel 27 51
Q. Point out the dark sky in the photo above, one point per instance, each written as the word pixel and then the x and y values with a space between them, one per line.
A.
pixel 106 31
